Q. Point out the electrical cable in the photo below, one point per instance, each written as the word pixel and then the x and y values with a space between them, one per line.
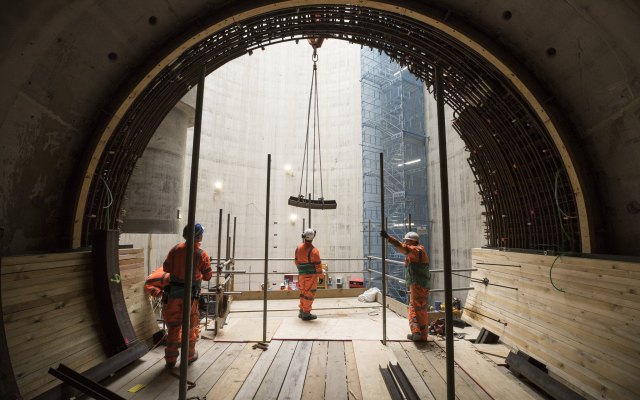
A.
pixel 106 185
pixel 550 277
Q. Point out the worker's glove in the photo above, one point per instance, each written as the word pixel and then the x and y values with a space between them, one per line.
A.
pixel 384 234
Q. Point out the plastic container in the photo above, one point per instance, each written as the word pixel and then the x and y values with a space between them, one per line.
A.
pixel 437 305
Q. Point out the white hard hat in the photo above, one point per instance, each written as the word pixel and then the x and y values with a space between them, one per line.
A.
pixel 412 236
pixel 309 234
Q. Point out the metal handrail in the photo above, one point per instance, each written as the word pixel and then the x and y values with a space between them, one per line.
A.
pixel 430 290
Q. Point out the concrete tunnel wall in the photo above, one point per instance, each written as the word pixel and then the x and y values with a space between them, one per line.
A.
pixel 63 63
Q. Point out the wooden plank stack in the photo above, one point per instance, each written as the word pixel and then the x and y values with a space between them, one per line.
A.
pixel 579 316
pixel 49 313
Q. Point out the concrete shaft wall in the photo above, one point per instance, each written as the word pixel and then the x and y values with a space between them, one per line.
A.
pixel 153 199
pixel 257 105
pixel 465 210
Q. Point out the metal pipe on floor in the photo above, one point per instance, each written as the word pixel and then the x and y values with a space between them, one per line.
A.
pixel 446 233
pixel 266 253
pixel 384 255
pixel 191 219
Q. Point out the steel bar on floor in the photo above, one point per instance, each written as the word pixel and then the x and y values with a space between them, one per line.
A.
pixel 266 253
pixel 384 255
pixel 446 234
pixel 188 273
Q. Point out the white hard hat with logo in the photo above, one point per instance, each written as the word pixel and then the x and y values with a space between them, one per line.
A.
pixel 412 236
pixel 309 234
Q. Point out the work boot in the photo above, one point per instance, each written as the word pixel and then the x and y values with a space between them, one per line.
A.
pixel 308 316
pixel 170 365
pixel 300 314
pixel 193 359
pixel 416 337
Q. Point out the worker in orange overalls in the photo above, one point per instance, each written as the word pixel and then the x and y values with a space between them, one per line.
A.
pixel 172 311
pixel 416 264
pixel 307 259
pixel 156 282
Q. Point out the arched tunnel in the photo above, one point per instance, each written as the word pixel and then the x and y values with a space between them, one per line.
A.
pixel 543 97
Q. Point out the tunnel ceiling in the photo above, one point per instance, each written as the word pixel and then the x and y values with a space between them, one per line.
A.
pixel 524 180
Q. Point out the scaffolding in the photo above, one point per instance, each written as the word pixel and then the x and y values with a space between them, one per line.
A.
pixel 392 123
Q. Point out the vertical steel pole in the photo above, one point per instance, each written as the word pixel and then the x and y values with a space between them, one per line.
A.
pixel 218 300
pixel 233 256
pixel 409 222
pixel 266 252
pixel 446 235
pixel 369 257
pixel 188 273
pixel 303 225
pixel 228 243
pixel 310 211
pixel 384 255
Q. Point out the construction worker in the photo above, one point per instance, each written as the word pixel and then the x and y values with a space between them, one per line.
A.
pixel 175 264
pixel 416 264
pixel 156 283
pixel 307 259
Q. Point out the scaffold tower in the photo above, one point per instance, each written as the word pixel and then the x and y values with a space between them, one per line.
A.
pixel 392 123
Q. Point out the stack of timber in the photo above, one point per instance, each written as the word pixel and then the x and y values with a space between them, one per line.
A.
pixel 50 317
pixel 579 316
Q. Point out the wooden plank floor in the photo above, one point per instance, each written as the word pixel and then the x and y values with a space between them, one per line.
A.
pixel 326 368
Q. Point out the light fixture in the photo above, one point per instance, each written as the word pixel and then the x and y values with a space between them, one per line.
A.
pixel 288 169
pixel 410 162
pixel 217 186
pixel 293 218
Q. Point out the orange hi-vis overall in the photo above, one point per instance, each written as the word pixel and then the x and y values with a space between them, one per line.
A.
pixel 172 311
pixel 308 262
pixel 156 282
pixel 416 264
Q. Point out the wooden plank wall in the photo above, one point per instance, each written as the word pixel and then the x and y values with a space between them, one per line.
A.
pixel 133 274
pixel 50 316
pixel 586 329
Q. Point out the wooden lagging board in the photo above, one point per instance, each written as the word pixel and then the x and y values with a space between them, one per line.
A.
pixel 48 299
pixel 582 320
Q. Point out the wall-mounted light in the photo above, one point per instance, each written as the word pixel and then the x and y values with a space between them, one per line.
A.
pixel 288 169
pixel 410 162
pixel 217 186
pixel 293 218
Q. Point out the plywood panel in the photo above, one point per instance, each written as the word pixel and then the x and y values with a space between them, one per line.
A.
pixel 342 328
